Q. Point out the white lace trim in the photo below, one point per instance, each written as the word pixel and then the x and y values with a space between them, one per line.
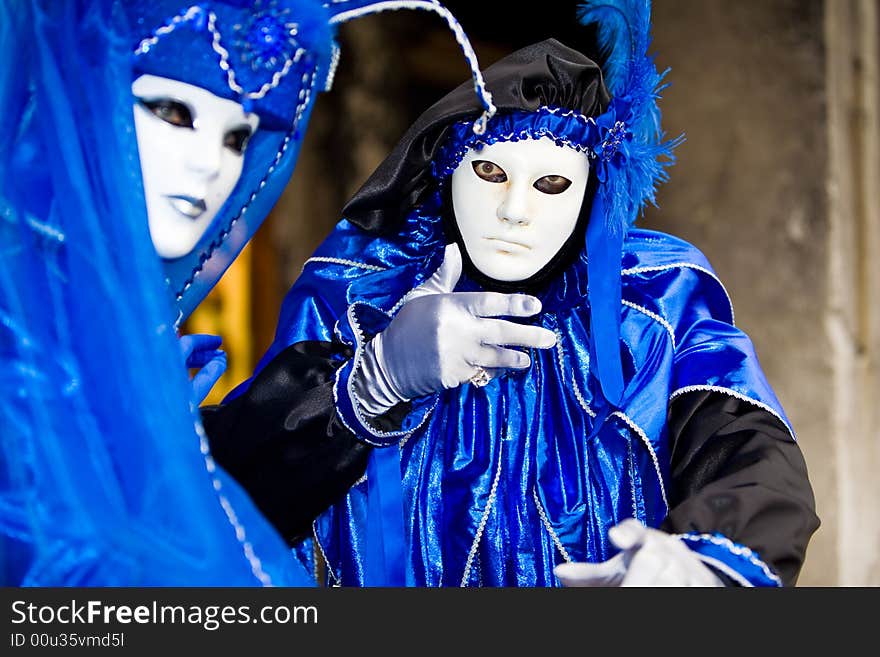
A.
pixel 657 318
pixel 344 262
pixel 336 580
pixel 632 425
pixel 574 386
pixel 493 492
pixel 231 516
pixel 733 548
pixel 738 395
pixel 549 527
pixel 679 265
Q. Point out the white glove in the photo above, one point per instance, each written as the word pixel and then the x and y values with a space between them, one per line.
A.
pixel 442 339
pixel 648 557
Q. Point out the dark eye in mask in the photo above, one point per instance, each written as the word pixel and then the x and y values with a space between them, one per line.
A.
pixel 489 171
pixel 236 140
pixel 170 111
pixel 552 184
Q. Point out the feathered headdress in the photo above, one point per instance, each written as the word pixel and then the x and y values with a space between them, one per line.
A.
pixel 632 138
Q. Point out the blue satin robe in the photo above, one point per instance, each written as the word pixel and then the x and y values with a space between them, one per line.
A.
pixel 502 483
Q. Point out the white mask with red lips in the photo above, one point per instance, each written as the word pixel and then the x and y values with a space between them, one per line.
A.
pixel 517 203
pixel 191 145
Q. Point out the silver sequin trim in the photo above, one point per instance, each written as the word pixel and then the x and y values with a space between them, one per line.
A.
pixel 331 72
pixel 145 45
pixel 733 548
pixel 574 386
pixel 724 568
pixel 463 42
pixel 632 425
pixel 336 580
pixel 240 533
pixel 231 81
pixel 344 262
pixel 358 359
pixel 688 265
pixel 630 463
pixel 549 527
pixel 493 492
pixel 655 317
pixel 738 395
pixel 305 98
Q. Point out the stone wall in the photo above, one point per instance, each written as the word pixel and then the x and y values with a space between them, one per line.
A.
pixel 748 90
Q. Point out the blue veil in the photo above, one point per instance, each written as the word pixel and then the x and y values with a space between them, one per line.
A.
pixel 105 475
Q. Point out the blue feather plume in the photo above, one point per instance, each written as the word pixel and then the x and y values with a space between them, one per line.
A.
pixel 624 34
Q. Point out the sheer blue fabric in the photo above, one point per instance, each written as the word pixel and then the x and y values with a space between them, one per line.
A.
pixel 502 483
pixel 105 476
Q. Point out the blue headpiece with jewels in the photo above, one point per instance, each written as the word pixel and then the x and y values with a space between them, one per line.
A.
pixel 627 152
pixel 261 53
pixel 272 56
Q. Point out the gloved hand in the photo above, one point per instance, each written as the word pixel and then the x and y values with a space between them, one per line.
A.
pixel 201 351
pixel 442 339
pixel 648 557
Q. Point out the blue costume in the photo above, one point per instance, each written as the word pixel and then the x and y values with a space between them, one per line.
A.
pixel 501 483
pixel 87 476
pixel 106 474
pixel 528 446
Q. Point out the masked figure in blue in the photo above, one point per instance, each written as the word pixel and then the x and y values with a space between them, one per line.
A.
pixel 93 490
pixel 576 403
pixel 209 101
pixel 145 129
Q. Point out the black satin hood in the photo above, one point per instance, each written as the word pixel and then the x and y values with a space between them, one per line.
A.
pixel 543 74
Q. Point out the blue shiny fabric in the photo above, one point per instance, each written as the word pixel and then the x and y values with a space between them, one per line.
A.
pixel 105 475
pixel 736 561
pixel 502 483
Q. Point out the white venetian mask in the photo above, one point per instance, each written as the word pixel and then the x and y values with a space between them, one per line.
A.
pixel 516 204
pixel 191 146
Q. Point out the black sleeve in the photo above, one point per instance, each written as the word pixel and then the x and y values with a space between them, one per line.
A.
pixel 283 442
pixel 735 469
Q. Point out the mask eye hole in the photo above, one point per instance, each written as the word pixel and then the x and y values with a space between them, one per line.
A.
pixel 552 184
pixel 489 171
pixel 237 140
pixel 169 110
